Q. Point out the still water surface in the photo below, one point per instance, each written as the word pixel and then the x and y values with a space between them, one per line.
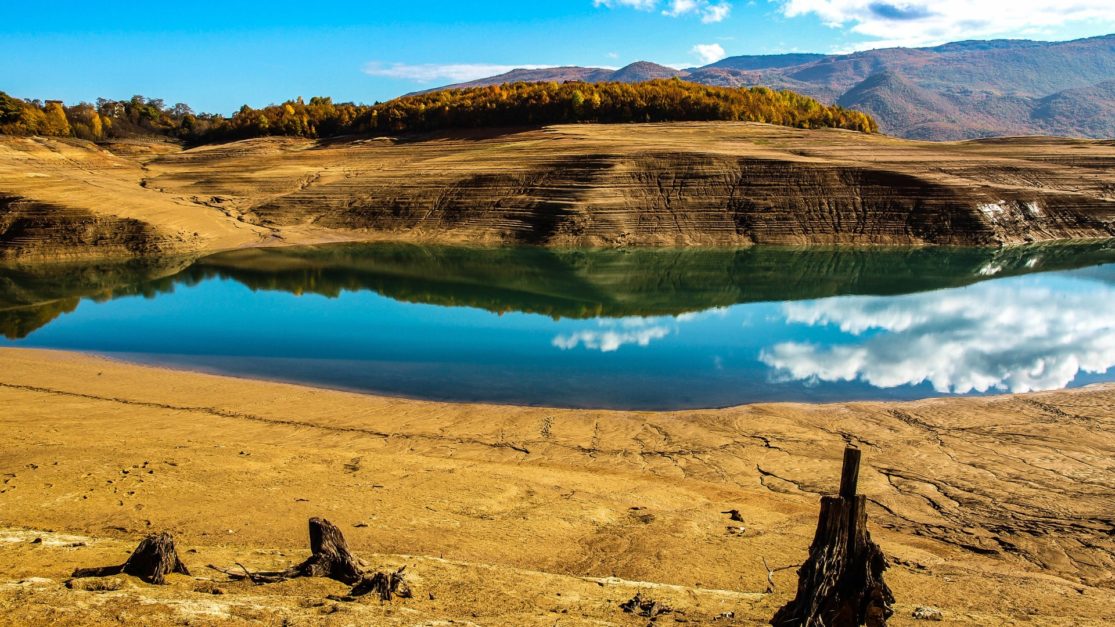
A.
pixel 623 329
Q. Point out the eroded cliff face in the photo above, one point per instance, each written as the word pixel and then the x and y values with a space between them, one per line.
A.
pixel 30 230
pixel 668 199
pixel 709 184
pixel 64 199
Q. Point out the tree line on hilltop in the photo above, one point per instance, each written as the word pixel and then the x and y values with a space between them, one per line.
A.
pixel 515 104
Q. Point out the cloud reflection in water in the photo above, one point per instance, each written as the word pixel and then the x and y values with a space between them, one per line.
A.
pixel 610 340
pixel 1014 337
pixel 614 333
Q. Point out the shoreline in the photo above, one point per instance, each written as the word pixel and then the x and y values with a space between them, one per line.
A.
pixel 1002 497
pixel 433 240
pixel 171 368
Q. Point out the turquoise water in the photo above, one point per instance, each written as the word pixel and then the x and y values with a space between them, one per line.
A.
pixel 621 329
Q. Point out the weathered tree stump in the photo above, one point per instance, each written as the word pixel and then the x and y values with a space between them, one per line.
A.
pixel 153 559
pixel 841 583
pixel 329 557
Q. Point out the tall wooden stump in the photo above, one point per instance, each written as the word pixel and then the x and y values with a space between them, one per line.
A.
pixel 841 583
pixel 152 561
pixel 330 556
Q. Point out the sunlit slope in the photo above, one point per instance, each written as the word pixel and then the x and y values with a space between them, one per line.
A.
pixel 678 184
pixel 69 198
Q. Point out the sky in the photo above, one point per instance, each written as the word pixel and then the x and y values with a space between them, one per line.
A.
pixel 217 56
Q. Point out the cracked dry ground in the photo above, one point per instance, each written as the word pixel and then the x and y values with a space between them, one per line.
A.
pixel 997 510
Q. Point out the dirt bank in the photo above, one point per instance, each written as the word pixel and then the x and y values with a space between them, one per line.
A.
pixel 996 510
pixel 713 184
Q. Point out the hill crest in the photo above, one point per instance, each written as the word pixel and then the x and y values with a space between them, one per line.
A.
pixel 964 89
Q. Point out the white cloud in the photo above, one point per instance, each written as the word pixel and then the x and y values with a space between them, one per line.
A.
pixel 708 53
pixel 640 5
pixel 710 12
pixel 678 8
pixel 715 13
pixel 924 22
pixel 991 336
pixel 456 72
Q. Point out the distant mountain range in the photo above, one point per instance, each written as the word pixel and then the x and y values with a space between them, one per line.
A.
pixel 959 90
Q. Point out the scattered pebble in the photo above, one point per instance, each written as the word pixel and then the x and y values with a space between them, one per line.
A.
pixel 928 613
pixel 208 587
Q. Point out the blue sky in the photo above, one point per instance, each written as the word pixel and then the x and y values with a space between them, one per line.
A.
pixel 217 56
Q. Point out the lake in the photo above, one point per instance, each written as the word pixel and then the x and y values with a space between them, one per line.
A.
pixel 633 329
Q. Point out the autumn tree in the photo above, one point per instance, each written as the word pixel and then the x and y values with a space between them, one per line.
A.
pixel 513 104
pixel 55 124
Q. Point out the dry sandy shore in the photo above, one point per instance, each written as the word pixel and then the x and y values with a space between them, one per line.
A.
pixel 996 511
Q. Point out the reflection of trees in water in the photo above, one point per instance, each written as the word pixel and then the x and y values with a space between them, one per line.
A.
pixel 19 323
pixel 557 283
pixel 33 296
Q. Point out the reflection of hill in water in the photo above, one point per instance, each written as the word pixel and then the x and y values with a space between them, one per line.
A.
pixel 613 283
pixel 570 283
pixel 33 296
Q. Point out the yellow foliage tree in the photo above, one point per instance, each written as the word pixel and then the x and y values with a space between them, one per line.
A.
pixel 55 124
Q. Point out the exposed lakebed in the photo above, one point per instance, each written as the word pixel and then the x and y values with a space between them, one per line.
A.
pixel 637 329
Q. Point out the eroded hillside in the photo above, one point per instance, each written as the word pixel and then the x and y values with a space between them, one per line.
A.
pixel 713 184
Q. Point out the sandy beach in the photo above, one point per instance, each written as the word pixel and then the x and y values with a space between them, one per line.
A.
pixel 993 510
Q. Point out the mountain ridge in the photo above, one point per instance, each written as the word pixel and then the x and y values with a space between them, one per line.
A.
pixel 958 90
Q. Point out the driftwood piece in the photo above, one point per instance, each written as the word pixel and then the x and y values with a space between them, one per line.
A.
pixel 841 583
pixel 153 559
pixel 386 585
pixel 647 608
pixel 770 577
